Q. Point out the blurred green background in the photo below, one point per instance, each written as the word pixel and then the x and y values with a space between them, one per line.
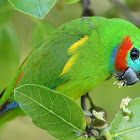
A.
pixel 19 33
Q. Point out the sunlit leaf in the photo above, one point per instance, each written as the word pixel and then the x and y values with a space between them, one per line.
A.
pixel 123 129
pixel 36 8
pixel 52 111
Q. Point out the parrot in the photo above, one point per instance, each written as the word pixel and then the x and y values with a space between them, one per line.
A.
pixel 75 58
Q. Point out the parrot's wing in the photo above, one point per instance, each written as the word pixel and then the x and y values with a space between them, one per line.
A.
pixel 46 62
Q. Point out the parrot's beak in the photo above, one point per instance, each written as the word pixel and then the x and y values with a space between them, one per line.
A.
pixel 128 77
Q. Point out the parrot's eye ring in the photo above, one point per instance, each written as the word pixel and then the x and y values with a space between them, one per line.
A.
pixel 134 54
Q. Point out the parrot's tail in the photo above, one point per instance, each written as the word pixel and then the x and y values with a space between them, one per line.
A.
pixel 9 110
pixel 7 106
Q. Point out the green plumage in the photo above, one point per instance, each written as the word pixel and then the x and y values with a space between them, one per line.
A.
pixel 46 63
pixel 91 66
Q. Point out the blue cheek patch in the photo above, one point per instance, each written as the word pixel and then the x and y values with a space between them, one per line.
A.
pixel 112 59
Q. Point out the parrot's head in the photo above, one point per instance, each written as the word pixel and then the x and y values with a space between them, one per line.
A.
pixel 127 62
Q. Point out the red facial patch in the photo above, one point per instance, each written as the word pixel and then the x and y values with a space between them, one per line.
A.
pixel 120 61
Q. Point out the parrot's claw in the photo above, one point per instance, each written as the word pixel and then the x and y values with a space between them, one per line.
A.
pixel 95 118
pixel 91 121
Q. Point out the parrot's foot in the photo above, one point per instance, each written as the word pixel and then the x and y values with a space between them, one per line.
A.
pixel 94 132
pixel 91 129
pixel 83 102
pixel 95 118
pixel 93 107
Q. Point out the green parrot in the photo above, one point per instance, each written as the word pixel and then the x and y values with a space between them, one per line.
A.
pixel 77 57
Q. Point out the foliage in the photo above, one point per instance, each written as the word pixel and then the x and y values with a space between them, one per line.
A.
pixel 124 129
pixel 64 119
pixel 52 111
pixel 71 116
pixel 37 8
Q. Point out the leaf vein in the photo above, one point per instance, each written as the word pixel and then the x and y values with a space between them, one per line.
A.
pixel 51 112
pixel 42 115
pixel 39 8
pixel 68 108
pixel 129 130
pixel 39 95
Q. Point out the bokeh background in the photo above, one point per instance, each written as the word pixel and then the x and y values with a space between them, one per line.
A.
pixel 20 33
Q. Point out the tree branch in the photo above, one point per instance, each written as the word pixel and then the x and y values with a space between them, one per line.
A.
pixel 86 8
pixel 83 102
pixel 127 12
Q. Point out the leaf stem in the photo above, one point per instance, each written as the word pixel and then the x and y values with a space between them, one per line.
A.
pixel 83 102
pixel 86 8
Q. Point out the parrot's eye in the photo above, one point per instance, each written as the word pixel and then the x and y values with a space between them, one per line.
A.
pixel 134 54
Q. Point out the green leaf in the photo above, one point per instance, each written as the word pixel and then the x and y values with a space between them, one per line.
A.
pixel 70 1
pixel 40 32
pixel 36 8
pixel 122 129
pixel 52 111
pixel 9 54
